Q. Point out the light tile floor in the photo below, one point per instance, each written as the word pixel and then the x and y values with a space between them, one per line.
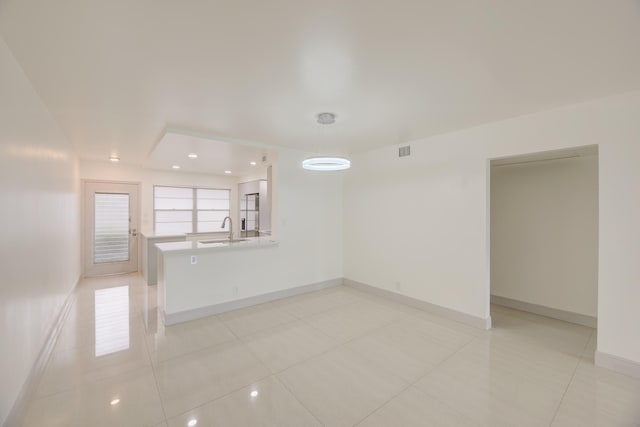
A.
pixel 337 357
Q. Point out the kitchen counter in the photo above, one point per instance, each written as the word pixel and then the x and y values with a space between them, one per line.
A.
pixel 196 279
pixel 197 245
pixel 153 236
pixel 152 243
pixel 150 253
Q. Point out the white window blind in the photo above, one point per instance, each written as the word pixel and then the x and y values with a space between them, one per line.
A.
pixel 111 228
pixel 173 210
pixel 190 210
pixel 213 206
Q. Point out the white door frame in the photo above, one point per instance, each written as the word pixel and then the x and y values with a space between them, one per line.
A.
pixel 87 238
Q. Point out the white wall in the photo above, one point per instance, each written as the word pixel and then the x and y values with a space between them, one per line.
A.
pixel 108 171
pixel 39 248
pixel 544 233
pixel 413 225
pixel 423 220
pixel 308 220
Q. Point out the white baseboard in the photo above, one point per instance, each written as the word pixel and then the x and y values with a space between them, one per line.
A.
pixel 567 316
pixel 458 316
pixel 19 408
pixel 198 313
pixel 618 364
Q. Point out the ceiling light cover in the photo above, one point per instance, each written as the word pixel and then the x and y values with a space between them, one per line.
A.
pixel 326 163
pixel 114 159
pixel 193 156
pixel 326 118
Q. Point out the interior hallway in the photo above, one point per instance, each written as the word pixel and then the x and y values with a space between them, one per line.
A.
pixel 337 357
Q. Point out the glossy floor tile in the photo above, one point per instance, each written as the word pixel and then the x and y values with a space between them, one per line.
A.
pixel 409 347
pixel 256 318
pixel 498 386
pixel 336 357
pixel 197 378
pixel 350 321
pixel 266 402
pixel 321 301
pixel 73 367
pixel 165 343
pixel 600 397
pixel 285 345
pixel 413 408
pixel 129 399
pixel 544 331
pixel 341 387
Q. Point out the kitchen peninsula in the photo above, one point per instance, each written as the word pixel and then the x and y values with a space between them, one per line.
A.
pixel 201 278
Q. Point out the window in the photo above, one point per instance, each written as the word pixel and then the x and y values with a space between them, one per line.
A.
pixel 190 210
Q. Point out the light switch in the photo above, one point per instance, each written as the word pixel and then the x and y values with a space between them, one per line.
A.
pixel 194 259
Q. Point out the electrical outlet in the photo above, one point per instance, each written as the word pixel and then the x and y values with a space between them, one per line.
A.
pixel 398 286
pixel 194 259
pixel 235 290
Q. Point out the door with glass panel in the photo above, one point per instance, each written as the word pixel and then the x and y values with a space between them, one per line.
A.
pixel 110 228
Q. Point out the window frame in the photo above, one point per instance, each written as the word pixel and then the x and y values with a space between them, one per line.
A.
pixel 194 207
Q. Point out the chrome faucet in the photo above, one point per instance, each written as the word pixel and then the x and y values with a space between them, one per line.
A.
pixel 224 222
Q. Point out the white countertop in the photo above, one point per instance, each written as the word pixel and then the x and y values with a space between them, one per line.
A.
pixel 151 235
pixel 198 246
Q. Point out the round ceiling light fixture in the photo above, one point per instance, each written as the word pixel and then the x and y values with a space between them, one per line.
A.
pixel 326 118
pixel 326 163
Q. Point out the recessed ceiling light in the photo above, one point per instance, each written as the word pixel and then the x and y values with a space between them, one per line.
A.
pixel 175 167
pixel 193 156
pixel 254 393
pixel 114 159
pixel 192 422
pixel 253 163
pixel 114 402
pixel 227 172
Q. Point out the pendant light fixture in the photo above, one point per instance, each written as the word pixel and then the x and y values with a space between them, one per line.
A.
pixel 326 163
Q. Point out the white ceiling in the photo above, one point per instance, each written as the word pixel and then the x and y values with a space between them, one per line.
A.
pixel 116 73
pixel 214 156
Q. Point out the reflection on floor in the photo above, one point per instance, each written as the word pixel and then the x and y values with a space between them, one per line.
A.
pixel 111 320
pixel 337 357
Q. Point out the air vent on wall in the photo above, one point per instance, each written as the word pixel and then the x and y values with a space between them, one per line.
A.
pixel 404 151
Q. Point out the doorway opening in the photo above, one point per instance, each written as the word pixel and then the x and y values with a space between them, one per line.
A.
pixel 544 246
